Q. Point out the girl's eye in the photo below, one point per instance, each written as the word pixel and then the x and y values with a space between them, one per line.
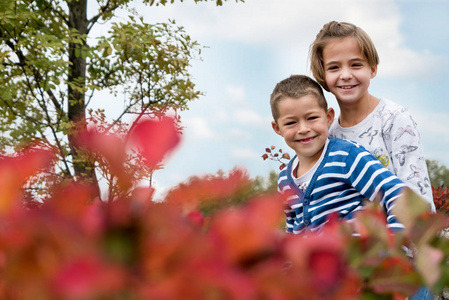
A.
pixel 332 68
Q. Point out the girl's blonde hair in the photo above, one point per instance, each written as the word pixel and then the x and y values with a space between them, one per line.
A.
pixel 339 30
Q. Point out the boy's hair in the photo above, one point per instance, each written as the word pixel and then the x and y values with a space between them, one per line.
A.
pixel 296 86
pixel 339 30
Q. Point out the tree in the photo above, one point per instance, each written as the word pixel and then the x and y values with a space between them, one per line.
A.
pixel 439 174
pixel 51 69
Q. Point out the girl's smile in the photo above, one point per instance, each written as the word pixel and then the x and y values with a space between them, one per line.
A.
pixel 347 73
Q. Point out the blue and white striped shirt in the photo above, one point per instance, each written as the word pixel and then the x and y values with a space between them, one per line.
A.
pixel 347 176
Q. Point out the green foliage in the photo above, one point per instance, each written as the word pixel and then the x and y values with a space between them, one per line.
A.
pixel 51 69
pixel 151 68
pixel 438 173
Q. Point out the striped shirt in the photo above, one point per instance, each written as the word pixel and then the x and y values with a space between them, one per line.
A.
pixel 347 176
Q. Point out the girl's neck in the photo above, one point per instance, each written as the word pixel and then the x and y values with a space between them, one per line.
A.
pixel 351 115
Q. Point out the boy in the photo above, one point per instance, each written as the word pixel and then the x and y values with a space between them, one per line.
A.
pixel 327 175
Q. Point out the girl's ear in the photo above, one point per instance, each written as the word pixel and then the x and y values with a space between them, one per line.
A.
pixel 330 116
pixel 276 128
pixel 373 72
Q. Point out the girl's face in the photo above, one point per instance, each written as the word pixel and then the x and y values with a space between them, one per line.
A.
pixel 347 73
pixel 304 126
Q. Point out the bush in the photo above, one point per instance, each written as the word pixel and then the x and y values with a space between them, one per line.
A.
pixel 74 246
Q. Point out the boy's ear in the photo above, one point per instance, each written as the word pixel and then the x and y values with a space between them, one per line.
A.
pixel 373 72
pixel 330 116
pixel 276 128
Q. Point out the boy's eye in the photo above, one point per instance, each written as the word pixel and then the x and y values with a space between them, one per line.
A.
pixel 313 117
pixel 290 123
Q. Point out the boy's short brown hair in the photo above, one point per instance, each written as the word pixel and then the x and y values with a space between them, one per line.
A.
pixel 339 30
pixel 296 86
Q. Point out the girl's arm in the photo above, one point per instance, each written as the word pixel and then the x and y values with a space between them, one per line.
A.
pixel 404 146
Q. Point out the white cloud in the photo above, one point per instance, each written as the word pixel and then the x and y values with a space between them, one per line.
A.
pixel 239 134
pixel 251 117
pixel 290 26
pixel 235 93
pixel 198 128
pixel 434 124
pixel 245 153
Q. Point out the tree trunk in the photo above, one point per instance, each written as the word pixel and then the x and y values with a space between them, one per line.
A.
pixel 84 169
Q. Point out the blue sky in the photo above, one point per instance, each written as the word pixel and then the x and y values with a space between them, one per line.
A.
pixel 253 45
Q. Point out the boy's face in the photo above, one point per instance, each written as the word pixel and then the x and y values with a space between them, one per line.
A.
pixel 304 125
pixel 347 73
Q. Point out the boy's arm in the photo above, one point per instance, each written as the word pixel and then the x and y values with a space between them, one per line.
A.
pixel 404 145
pixel 375 182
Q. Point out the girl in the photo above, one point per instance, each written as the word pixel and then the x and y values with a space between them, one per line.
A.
pixel 344 60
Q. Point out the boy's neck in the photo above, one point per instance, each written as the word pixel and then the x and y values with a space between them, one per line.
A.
pixel 301 169
pixel 306 164
pixel 351 115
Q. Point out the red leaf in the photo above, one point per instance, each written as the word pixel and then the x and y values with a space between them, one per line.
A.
pixel 155 139
pixel 16 170
pixel 273 147
pixel 196 217
pixel 281 167
pixel 286 156
pixel 109 146
pixel 265 156
pixel 84 277
pixel 250 231
pixel 326 267
pixel 268 150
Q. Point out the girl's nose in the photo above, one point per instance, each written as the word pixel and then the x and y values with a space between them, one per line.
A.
pixel 345 74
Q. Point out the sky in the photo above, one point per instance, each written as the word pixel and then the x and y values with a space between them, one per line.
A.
pixel 251 46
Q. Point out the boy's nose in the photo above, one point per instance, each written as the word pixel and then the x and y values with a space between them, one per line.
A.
pixel 302 127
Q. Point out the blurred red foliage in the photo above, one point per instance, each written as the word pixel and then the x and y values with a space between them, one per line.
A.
pixel 441 198
pixel 75 246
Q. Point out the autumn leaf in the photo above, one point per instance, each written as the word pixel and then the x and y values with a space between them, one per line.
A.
pixel 248 232
pixel 155 139
pixel 16 170
pixel 84 277
pixel 286 156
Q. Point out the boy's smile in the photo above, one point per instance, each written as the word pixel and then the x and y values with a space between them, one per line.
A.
pixel 306 140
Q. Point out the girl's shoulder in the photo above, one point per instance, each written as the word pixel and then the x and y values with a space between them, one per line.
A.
pixel 387 106
pixel 390 112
